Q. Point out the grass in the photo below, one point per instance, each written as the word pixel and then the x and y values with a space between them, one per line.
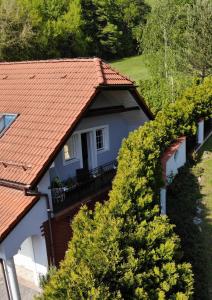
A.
pixel 134 67
pixel 189 197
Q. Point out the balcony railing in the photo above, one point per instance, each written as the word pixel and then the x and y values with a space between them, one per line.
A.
pixel 84 185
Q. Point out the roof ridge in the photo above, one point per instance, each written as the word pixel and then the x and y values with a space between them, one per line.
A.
pixel 77 59
pixel 98 64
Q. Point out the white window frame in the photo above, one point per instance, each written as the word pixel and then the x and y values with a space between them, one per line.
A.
pixel 94 151
pixel 105 139
pixel 77 157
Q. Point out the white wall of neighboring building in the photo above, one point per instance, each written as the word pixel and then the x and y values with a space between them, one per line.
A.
pixel 177 160
pixel 163 200
pixel 200 131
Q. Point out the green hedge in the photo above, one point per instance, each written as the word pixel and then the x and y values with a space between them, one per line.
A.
pixel 125 249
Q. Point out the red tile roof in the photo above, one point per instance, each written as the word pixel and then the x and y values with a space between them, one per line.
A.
pixel 49 97
pixel 168 154
pixel 13 206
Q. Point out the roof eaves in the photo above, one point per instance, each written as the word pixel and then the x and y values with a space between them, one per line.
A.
pixel 18 219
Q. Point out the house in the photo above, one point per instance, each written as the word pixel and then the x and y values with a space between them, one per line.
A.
pixel 62 123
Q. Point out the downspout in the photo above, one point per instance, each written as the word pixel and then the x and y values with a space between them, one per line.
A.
pixel 5 279
pixel 46 196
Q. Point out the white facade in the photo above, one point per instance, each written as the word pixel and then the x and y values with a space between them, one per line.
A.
pixel 200 131
pixel 176 160
pixel 163 201
pixel 173 159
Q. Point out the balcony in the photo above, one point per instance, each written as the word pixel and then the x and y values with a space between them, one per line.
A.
pixel 85 184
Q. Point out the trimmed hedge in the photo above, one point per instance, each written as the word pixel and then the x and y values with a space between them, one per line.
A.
pixel 125 250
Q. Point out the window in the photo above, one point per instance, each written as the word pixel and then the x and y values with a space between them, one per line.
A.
pixel 70 149
pixel 5 121
pixel 100 139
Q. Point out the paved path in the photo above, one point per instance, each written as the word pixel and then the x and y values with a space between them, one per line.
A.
pixel 27 289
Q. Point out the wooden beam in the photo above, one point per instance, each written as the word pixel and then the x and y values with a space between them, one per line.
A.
pixel 110 110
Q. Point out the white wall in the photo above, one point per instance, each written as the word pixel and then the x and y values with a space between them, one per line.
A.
pixel 200 132
pixel 32 256
pixel 30 225
pixel 163 201
pixel 177 160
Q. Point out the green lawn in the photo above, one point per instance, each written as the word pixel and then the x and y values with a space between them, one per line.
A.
pixel 189 199
pixel 134 67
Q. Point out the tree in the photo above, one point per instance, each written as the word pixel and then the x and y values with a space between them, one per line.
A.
pixel 197 42
pixel 16 31
pixel 124 249
pixel 112 28
pixel 177 43
pixel 40 29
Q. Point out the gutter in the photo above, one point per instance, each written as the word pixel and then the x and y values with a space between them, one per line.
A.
pixel 12 184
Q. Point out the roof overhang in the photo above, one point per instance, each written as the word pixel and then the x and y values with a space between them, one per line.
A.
pixel 132 89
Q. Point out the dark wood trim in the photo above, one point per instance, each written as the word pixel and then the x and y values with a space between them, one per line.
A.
pixel 132 89
pixel 117 87
pixel 109 110
pixel 141 102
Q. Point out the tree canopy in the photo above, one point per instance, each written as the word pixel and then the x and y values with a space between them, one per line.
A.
pixel 42 29
pixel 177 41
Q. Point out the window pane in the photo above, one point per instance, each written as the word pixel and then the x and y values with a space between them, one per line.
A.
pixel 66 152
pixel 100 139
pixel 6 120
pixel 70 149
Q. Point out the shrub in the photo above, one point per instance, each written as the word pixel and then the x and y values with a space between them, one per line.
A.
pixel 124 249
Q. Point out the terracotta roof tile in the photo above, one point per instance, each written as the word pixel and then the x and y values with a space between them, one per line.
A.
pixel 49 97
pixel 13 206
